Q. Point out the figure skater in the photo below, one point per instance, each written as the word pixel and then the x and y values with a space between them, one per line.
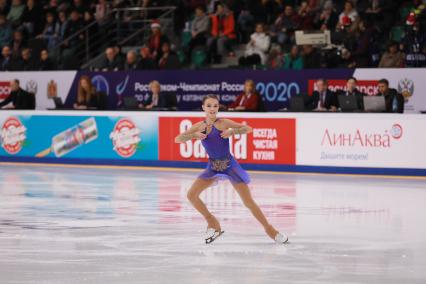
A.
pixel 214 134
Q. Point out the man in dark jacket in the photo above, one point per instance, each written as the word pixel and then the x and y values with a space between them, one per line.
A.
pixel 322 99
pixel 20 98
pixel 352 90
pixel 394 101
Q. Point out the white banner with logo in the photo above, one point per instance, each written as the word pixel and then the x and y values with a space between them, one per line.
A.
pixel 410 82
pixel 362 140
pixel 44 85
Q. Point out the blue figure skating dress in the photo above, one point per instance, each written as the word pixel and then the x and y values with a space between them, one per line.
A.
pixel 221 163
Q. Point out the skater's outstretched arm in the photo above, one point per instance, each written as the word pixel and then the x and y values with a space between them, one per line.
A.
pixel 195 132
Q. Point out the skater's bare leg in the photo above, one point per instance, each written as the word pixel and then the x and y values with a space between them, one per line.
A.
pixel 245 195
pixel 193 195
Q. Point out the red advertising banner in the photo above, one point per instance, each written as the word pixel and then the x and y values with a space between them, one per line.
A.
pixel 273 141
pixel 368 87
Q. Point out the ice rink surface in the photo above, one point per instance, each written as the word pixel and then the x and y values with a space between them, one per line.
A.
pixel 120 225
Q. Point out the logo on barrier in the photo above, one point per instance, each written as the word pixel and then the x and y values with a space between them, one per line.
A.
pixel 406 88
pixel 396 131
pixel 122 86
pixel 4 90
pixel 31 86
pixel 52 89
pixel 13 134
pixel 125 138
pixel 101 84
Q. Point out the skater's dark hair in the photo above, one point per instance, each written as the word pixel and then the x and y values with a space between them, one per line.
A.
pixel 211 96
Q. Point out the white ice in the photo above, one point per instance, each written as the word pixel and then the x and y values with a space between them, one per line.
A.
pixel 86 225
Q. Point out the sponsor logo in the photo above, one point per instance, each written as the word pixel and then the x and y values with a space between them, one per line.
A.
pixel 101 84
pixel 396 131
pixel 406 88
pixel 360 138
pixel 122 86
pixel 31 86
pixel 4 89
pixel 125 138
pixel 368 87
pixel 52 89
pixel 12 136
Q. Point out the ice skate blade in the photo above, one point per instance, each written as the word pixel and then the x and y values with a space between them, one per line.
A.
pixel 216 234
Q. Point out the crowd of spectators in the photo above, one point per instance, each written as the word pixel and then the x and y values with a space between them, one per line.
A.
pixel 364 33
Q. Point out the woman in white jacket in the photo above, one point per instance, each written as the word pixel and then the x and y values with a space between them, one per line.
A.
pixel 257 47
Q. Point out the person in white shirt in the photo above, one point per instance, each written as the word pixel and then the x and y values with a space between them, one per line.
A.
pixel 348 17
pixel 257 47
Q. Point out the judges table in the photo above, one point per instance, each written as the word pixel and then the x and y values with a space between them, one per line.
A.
pixel 355 143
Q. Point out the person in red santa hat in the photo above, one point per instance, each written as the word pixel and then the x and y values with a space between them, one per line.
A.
pixel 156 40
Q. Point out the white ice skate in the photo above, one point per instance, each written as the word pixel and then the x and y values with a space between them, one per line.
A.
pixel 281 238
pixel 212 235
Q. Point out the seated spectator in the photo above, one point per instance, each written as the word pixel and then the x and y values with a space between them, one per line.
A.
pixel 352 90
pixel 275 58
pixel 88 97
pixel 110 61
pixel 257 48
pixel 363 47
pixel 414 44
pixel 156 40
pixel 293 60
pixel 349 17
pixel 51 31
pixel 158 100
pixel 6 59
pixel 79 6
pixel 45 62
pixel 102 10
pixel 5 31
pixel 16 11
pixel 248 100
pixel 146 62
pixel 346 59
pixel 131 61
pixel 285 26
pixel 222 33
pixel 169 59
pixel 311 57
pixel 33 17
pixel 19 98
pixel 63 25
pixel 74 25
pixel 200 28
pixel 392 58
pixel 322 99
pixel 18 43
pixel 328 18
pixel 306 15
pixel 4 7
pixel 394 100
pixel 25 62
pixel 245 25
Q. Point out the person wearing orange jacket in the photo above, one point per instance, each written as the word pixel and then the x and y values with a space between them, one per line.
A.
pixel 222 33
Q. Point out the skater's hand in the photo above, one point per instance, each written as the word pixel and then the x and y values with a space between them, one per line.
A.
pixel 200 135
pixel 227 133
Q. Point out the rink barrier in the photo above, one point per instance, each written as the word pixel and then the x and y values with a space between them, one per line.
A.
pixel 371 144
pixel 201 165
pixel 189 86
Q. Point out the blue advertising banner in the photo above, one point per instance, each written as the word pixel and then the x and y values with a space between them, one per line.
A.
pixel 79 137
pixel 276 87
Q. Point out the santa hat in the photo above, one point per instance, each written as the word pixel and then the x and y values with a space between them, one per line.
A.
pixel 411 19
pixel 155 24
